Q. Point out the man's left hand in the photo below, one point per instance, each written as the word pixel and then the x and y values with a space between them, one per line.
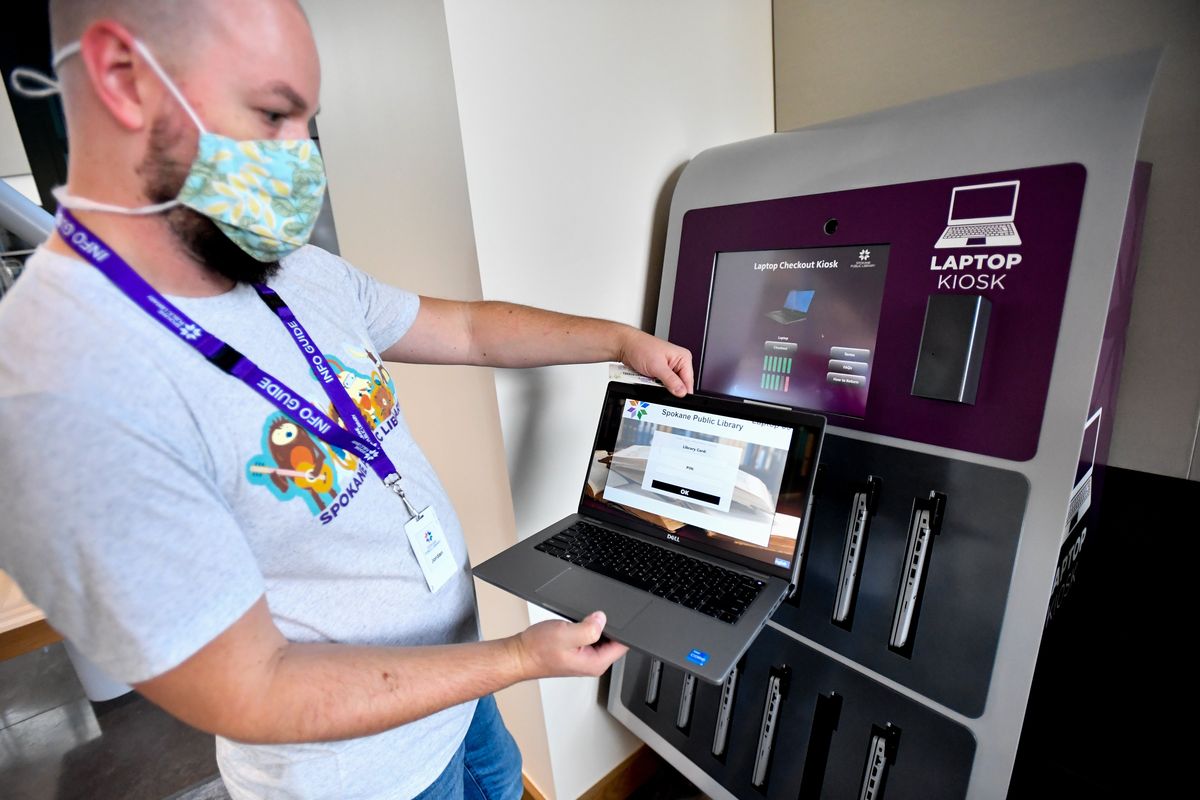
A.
pixel 668 362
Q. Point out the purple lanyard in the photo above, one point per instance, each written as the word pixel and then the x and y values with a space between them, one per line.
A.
pixel 361 442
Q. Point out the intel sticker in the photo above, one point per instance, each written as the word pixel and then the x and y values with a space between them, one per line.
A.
pixel 782 562
pixel 698 657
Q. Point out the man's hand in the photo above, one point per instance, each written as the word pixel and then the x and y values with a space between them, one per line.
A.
pixel 556 648
pixel 652 356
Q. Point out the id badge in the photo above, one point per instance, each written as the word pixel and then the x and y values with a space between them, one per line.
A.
pixel 430 547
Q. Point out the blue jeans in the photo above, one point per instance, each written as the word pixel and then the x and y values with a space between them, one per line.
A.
pixel 487 765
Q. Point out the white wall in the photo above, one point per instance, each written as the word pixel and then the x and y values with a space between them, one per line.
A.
pixel 390 139
pixel 14 166
pixel 839 59
pixel 576 118
pixel 12 152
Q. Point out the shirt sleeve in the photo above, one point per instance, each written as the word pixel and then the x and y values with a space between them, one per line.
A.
pixel 388 311
pixel 115 529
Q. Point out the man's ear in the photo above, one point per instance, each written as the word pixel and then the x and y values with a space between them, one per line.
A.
pixel 118 76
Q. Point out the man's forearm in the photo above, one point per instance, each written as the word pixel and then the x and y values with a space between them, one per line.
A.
pixel 252 685
pixel 322 692
pixel 495 334
pixel 511 335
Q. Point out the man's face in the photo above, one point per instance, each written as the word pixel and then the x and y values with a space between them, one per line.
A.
pixel 253 75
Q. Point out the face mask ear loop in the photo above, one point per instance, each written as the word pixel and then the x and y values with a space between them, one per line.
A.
pixel 170 84
pixel 66 52
pixel 33 84
pixel 69 200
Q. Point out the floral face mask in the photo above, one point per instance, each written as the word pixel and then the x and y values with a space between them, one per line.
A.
pixel 264 194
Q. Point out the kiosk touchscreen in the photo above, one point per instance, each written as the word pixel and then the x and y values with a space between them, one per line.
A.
pixel 795 327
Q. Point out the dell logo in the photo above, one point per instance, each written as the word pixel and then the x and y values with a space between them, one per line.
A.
pixel 672 537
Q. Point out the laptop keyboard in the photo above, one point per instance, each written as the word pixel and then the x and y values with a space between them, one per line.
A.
pixel 967 231
pixel 720 593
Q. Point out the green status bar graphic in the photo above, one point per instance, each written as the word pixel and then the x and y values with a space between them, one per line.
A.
pixel 781 364
pixel 776 375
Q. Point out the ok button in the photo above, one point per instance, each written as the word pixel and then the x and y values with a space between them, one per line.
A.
pixel 683 491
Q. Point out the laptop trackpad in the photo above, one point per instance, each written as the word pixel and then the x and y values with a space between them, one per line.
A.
pixel 583 592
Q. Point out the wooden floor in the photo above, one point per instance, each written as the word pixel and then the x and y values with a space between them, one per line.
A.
pixel 644 775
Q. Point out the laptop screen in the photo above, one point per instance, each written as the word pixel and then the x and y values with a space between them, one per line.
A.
pixel 1087 452
pixel 799 301
pixel 718 482
pixel 989 201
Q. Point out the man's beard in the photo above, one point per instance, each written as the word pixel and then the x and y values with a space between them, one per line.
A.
pixel 163 177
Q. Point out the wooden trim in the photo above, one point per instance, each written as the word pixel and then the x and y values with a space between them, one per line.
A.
pixel 626 777
pixel 26 639
pixel 532 792
pixel 15 610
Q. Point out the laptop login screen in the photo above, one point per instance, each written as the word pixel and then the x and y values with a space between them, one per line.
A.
pixel 703 476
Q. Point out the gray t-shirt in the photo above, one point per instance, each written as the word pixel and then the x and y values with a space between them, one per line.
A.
pixel 144 516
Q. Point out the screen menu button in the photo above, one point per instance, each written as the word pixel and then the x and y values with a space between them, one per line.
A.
pixel 849 354
pixel 848 367
pixel 842 379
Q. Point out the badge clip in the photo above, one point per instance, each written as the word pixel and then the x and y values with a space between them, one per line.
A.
pixel 393 482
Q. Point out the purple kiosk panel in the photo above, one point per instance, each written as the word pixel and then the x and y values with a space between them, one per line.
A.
pixel 1007 237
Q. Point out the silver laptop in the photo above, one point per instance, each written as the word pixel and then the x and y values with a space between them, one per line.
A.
pixel 690 530
pixel 982 215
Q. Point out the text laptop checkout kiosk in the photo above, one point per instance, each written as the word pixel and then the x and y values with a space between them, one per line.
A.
pixel 690 529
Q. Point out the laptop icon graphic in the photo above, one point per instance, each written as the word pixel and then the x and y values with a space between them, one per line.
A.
pixel 982 216
pixel 795 308
pixel 1081 494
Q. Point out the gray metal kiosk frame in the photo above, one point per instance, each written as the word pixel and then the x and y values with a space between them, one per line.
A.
pixel 809 714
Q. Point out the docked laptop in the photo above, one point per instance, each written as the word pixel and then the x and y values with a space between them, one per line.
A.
pixel 981 215
pixel 795 308
pixel 690 529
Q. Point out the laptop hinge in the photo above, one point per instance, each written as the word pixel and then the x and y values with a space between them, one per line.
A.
pixel 766 405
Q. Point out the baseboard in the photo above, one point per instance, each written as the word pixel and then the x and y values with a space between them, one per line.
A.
pixel 532 792
pixel 626 777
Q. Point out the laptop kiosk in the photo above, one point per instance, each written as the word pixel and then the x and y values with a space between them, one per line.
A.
pixel 967 265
